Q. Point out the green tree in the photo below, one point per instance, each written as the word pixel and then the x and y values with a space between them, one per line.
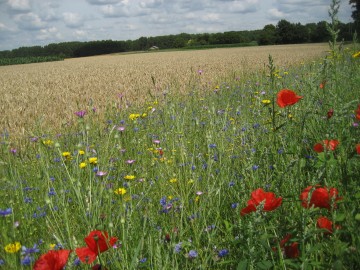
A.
pixel 268 35
pixel 355 4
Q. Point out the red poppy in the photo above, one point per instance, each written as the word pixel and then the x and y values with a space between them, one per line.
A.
pixel 319 148
pixel 289 250
pixel 357 147
pixel 286 98
pixel 357 111
pixel 259 196
pixel 330 113
pixel 321 197
pixel 52 260
pixel 322 84
pixel 97 242
pixel 324 223
pixel 329 145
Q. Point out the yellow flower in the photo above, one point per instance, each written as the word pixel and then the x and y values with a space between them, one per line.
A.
pixel 13 248
pixel 191 181
pixel 134 116
pixel 66 155
pixel 197 198
pixel 48 142
pixel 93 160
pixel 173 180
pixel 266 101
pixel 356 55
pixel 81 152
pixel 170 197
pixel 120 191
pixel 82 165
pixel 129 177
pixel 52 246
pixel 143 115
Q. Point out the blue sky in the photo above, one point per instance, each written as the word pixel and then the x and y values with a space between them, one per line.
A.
pixel 40 22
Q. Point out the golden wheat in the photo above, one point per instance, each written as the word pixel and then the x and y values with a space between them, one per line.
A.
pixel 48 94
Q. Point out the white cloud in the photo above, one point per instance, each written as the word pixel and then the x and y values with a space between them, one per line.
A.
pixel 19 5
pixel 72 20
pixel 103 2
pixel 49 34
pixel 29 21
pixel 276 14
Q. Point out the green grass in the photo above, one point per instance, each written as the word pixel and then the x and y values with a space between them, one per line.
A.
pixel 196 161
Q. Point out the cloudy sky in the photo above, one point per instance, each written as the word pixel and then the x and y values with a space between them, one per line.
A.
pixel 40 22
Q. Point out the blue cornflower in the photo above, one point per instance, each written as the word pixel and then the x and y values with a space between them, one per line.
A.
pixel 2 262
pixel 223 253
pixel 163 201
pixel 212 145
pixel 143 260
pixel 192 254
pixel 77 262
pixel 26 260
pixel 27 251
pixel 27 200
pixel 231 184
pixel 280 151
pixel 234 205
pixel 177 247
pixel 5 212
pixel 255 167
pixel 52 192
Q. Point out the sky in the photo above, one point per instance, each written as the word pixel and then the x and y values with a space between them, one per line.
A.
pixel 41 22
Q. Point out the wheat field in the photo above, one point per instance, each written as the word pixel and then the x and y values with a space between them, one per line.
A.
pixel 46 95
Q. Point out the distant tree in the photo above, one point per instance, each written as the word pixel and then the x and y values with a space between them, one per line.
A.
pixel 268 35
pixel 355 4
pixel 284 32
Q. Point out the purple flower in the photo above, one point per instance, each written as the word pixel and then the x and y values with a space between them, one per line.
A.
pixel 5 212
pixel 192 254
pixel 223 253
pixel 101 173
pixel 130 161
pixel 81 113
pixel 28 251
pixel 177 247
pixel 121 128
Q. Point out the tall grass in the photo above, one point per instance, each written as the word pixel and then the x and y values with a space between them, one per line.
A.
pixel 169 178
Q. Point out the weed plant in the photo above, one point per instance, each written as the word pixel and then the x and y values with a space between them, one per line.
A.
pixel 170 179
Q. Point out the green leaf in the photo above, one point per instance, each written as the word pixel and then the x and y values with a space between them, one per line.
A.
pixel 243 265
pixel 340 217
pixel 357 217
pixel 264 265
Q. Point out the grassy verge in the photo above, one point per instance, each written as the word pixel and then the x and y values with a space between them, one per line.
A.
pixel 172 181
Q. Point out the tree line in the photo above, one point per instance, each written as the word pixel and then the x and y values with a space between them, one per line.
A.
pixel 284 32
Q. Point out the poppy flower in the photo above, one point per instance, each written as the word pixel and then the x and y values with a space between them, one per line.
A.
pixel 286 98
pixel 259 196
pixel 52 260
pixel 289 250
pixel 322 84
pixel 329 145
pixel 357 111
pixel 97 242
pixel 321 197
pixel 324 223
pixel 330 113
pixel 357 147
